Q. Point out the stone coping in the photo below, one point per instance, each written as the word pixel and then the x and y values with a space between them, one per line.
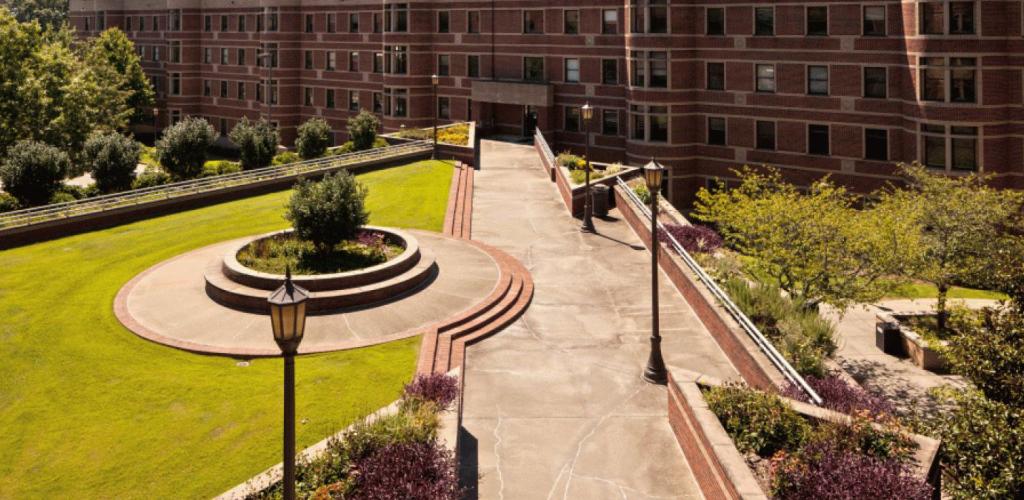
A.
pixel 721 457
pixel 333 281
pixel 910 344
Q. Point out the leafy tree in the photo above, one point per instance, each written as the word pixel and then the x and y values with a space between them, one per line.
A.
pixel 113 48
pixel 314 137
pixel 48 13
pixel 988 349
pixel 256 141
pixel 328 212
pixel 182 148
pixel 816 246
pixel 33 172
pixel 959 220
pixel 112 159
pixel 362 130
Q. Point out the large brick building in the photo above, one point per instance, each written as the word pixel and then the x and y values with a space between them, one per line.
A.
pixel 819 87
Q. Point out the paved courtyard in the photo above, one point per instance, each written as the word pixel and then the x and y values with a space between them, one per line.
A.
pixel 554 405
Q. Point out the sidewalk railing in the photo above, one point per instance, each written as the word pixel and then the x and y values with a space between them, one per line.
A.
pixel 544 147
pixel 745 323
pixel 58 211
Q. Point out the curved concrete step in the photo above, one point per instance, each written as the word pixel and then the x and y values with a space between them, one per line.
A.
pixel 227 292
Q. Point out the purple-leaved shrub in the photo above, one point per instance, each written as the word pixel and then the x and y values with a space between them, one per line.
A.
pixel 694 238
pixel 843 397
pixel 825 471
pixel 437 387
pixel 407 471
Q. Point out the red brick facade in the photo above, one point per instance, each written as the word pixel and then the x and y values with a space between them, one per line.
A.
pixel 843 88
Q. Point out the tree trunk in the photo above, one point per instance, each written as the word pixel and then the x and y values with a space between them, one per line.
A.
pixel 940 307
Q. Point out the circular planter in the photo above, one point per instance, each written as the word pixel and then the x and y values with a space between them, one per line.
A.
pixel 322 282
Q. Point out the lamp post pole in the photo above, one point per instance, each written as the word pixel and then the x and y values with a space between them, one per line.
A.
pixel 587 113
pixel 288 319
pixel 156 123
pixel 655 372
pixel 433 83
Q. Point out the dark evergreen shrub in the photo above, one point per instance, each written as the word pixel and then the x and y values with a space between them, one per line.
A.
pixel 314 137
pixel 328 212
pixel 112 159
pixel 362 130
pixel 33 172
pixel 182 148
pixel 256 141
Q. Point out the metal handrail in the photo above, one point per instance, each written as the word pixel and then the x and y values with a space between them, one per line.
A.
pixel 46 213
pixel 539 138
pixel 748 326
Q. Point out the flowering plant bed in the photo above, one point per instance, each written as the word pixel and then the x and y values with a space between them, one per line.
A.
pixel 274 253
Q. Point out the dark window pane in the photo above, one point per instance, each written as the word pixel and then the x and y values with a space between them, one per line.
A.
pixel 817 21
pixel 874 82
pixel 609 71
pixel 716 76
pixel 610 122
pixel 764 21
pixel 935 151
pixel 765 135
pixel 817 80
pixel 931 18
pixel 874 20
pixel 817 139
pixel 716 131
pixel 715 21
pixel 876 144
pixel 961 18
pixel 572 22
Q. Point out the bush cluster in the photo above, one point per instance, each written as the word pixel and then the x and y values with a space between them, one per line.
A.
pixel 824 470
pixel 571 161
pixel 802 336
pixel 843 397
pixel 441 389
pixel 33 172
pixel 151 177
pixel 758 422
pixel 349 146
pixel 694 238
pixel 182 148
pixel 112 159
pixel 220 167
pixel 285 158
pixel 362 130
pixel 256 141
pixel 328 212
pixel 314 137
pixel 988 349
pixel 8 202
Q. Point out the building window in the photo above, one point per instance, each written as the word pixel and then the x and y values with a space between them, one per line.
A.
pixel 241 24
pixel 572 70
pixel 142 24
pixel 175 52
pixel 332 22
pixel 609 71
pixel 649 16
pixel 378 62
pixel 272 20
pixel 716 76
pixel 955 73
pixel 473 66
pixel 309 23
pixel 396 102
pixel 876 144
pixel 207 88
pixel 100 17
pixel 332 61
pixel 223 88
pixel 378 102
pixel 650 69
pixel 764 21
pixel 875 84
pixel 396 18
pixel 571 24
pixel 353 23
pixel 473 21
pixel 765 135
pixel 961 18
pixel 353 62
pixel 175 116
pixel 817 140
pixel 156 53
pixel 572 119
pixel 610 122
pixel 716 131
pixel 269 51
pixel 176 20
pixel 101 21
pixel 609 21
pixel 240 90
pixel 396 59
pixel 329 99
pixel 443 108
pixel 533 21
pixel 308 96
pixel 533 69
pixel 240 60
pixel 817 21
pixel 223 23
pixel 353 100
pixel 956 149
pixel 377 24
pixel 933 18
pixel 650 123
pixel 308 59
pixel 128 23
pixel 715 21
pixel 765 77
pixel 443 65
pixel 207 24
pixel 223 125
pixel 817 80
pixel 442 21
pixel 175 83
pixel 874 20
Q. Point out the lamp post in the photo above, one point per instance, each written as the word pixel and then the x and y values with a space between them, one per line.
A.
pixel 267 57
pixel 433 83
pixel 587 112
pixel 655 372
pixel 156 123
pixel 288 318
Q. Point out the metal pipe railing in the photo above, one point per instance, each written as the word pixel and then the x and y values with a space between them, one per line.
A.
pixel 46 213
pixel 748 326
pixel 539 139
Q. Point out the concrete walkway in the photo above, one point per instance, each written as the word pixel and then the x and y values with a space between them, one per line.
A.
pixel 554 405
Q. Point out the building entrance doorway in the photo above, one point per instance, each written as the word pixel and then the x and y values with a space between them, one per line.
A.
pixel 529 121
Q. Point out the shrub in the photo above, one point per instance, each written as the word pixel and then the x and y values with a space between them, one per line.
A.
pixel 456 134
pixel 694 238
pixel 824 470
pixel 285 158
pixel 8 202
pixel 571 161
pixel 417 424
pixel 843 397
pixel 112 159
pixel 348 147
pixel 437 387
pixel 988 349
pixel 33 172
pixel 220 167
pixel 362 130
pixel 314 136
pixel 863 436
pixel 758 422
pixel 412 471
pixel 62 197
pixel 329 211
pixel 643 193
pixel 256 141
pixel 151 177
pixel 182 148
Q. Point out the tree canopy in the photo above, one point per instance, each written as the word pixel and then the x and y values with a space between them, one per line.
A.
pixel 48 13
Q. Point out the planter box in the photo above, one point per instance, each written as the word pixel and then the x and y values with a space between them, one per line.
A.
pixel 718 466
pixel 894 338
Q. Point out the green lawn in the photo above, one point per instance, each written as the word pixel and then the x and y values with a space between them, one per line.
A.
pixel 930 291
pixel 89 410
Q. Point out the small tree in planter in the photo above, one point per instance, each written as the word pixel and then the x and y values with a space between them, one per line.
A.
pixel 112 160
pixel 314 137
pixel 362 130
pixel 33 172
pixel 182 148
pixel 328 212
pixel 256 141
